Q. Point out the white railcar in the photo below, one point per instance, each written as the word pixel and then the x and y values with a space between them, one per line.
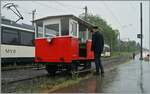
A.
pixel 17 43
pixel 106 51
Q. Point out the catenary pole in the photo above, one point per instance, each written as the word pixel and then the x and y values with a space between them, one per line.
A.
pixel 141 22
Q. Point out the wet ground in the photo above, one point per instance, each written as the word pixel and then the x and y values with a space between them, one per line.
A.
pixel 131 77
pixel 32 80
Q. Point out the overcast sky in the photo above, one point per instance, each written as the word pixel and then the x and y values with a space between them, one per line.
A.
pixel 121 15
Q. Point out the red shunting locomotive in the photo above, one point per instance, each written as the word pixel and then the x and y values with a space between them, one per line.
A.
pixel 63 42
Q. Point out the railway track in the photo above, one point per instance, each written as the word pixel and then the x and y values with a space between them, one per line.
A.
pixel 27 73
pixel 17 67
pixel 20 80
pixel 11 76
pixel 14 78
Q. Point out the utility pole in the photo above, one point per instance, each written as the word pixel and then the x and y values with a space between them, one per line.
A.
pixel 0 32
pixel 141 21
pixel 85 13
pixel 119 42
pixel 128 44
pixel 149 31
pixel 33 16
pixel 85 18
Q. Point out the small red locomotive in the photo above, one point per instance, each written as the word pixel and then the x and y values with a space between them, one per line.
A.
pixel 63 42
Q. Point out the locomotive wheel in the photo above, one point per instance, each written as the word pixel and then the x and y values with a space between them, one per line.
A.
pixel 72 68
pixel 51 69
pixel 87 65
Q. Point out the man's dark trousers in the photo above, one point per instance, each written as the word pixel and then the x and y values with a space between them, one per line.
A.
pixel 98 63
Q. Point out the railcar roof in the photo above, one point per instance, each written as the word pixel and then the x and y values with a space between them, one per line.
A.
pixel 69 16
pixel 13 23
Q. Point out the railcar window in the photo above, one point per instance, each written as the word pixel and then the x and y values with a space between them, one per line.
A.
pixel 10 36
pixel 52 29
pixel 27 38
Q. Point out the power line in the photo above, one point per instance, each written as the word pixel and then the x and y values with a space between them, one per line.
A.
pixel 133 8
pixel 65 5
pixel 115 17
pixel 48 6
pixel 112 14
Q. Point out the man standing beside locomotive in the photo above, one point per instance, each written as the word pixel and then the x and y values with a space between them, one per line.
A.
pixel 97 46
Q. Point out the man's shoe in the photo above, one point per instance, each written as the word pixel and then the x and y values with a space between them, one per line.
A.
pixel 102 74
pixel 96 73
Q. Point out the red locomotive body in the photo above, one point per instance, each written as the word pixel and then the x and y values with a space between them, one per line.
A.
pixel 65 47
pixel 60 49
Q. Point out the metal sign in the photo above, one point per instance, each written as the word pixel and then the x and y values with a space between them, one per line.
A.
pixel 139 36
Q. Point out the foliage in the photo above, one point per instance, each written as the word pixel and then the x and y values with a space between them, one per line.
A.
pixel 74 75
pixel 110 34
pixel 129 46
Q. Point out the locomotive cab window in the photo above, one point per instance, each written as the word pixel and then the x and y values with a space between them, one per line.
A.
pixel 47 28
pixel 51 29
pixel 38 30
pixel 74 28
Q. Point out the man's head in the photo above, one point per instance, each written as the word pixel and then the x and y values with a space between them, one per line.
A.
pixel 94 28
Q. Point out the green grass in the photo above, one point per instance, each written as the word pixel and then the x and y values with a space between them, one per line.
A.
pixel 115 54
pixel 50 88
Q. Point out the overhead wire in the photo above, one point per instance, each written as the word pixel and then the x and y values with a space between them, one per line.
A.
pixel 65 6
pixel 137 12
pixel 45 5
pixel 110 11
pixel 115 17
pixel 133 8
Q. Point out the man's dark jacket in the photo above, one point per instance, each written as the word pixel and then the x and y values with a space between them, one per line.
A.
pixel 97 42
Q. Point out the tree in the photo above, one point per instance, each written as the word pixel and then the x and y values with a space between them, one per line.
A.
pixel 110 35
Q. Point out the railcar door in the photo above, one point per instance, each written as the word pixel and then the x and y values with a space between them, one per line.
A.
pixel 84 36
